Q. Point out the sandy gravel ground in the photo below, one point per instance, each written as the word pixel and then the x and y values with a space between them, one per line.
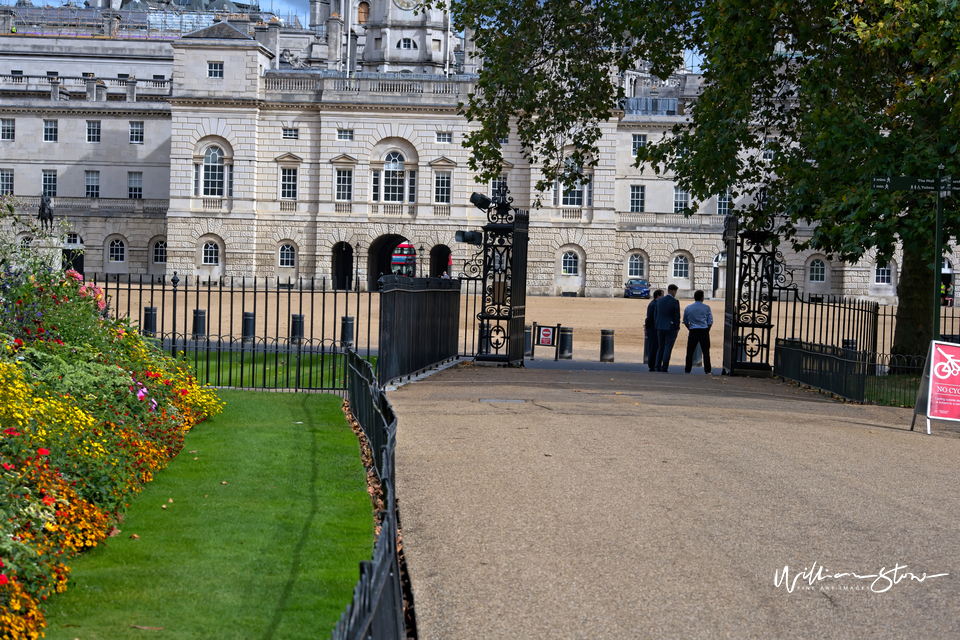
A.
pixel 636 505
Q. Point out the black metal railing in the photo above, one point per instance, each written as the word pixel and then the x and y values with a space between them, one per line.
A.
pixel 419 324
pixel 861 376
pixel 265 333
pixel 377 610
pixel 827 320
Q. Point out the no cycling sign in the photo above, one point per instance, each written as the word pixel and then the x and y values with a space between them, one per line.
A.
pixel 939 393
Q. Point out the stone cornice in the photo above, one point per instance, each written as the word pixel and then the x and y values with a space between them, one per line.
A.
pixel 66 107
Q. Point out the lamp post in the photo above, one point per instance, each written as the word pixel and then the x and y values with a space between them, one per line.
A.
pixel 419 258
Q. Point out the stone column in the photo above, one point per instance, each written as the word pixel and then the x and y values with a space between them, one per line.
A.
pixel 131 89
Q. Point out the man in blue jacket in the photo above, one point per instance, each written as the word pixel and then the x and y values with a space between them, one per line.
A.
pixel 668 325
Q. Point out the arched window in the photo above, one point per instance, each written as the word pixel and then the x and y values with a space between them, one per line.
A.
pixel 883 274
pixel 818 271
pixel 25 242
pixel 213 172
pixel 160 252
pixel 288 256
pixel 116 251
pixel 393 177
pixel 211 253
pixel 681 267
pixel 635 266
pixel 570 264
pixel 406 43
pixel 363 13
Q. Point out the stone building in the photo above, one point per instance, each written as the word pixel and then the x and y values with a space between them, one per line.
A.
pixel 250 147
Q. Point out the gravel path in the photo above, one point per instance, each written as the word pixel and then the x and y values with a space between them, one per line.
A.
pixel 635 505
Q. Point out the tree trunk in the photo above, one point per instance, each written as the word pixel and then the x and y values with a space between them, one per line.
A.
pixel 914 328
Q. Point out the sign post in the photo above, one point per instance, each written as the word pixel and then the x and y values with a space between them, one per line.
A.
pixel 939 394
pixel 944 187
pixel 545 337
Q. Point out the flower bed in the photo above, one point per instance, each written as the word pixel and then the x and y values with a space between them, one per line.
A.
pixel 89 411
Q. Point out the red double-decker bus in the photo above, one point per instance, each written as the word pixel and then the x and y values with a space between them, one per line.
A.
pixel 403 262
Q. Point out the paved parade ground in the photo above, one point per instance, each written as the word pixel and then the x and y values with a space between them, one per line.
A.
pixel 615 504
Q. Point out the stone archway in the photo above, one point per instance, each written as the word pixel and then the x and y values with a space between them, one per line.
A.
pixel 439 260
pixel 342 266
pixel 380 258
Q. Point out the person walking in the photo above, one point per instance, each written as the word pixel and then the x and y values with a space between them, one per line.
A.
pixel 668 325
pixel 698 319
pixel 650 329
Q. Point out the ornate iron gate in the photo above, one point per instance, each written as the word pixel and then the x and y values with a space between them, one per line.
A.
pixel 501 268
pixel 759 272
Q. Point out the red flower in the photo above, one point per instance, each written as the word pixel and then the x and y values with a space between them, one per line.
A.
pixel 8 467
pixel 43 452
pixel 11 431
pixel 183 392
pixel 18 342
pixel 48 500
pixel 3 578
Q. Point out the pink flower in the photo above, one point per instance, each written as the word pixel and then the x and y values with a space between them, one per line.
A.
pixel 141 394
pixel 43 452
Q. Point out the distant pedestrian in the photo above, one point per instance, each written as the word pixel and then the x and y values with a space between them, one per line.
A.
pixel 445 276
pixel 698 318
pixel 950 295
pixel 650 329
pixel 668 325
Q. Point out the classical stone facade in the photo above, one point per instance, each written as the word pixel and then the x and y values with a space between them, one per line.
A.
pixel 245 148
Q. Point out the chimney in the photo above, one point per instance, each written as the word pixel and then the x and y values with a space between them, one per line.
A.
pixel 131 89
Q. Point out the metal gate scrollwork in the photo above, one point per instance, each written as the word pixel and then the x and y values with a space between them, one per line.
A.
pixel 501 266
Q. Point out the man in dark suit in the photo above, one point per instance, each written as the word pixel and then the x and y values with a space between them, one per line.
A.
pixel 650 329
pixel 668 325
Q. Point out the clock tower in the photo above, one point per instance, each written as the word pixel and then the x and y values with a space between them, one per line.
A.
pixel 401 40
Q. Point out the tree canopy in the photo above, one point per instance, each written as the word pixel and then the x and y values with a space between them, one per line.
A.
pixel 836 92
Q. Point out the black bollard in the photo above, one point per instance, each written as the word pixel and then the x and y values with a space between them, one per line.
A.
pixel 346 331
pixel 606 345
pixel 296 328
pixel 149 326
pixel 527 341
pixel 248 326
pixel 199 324
pixel 566 343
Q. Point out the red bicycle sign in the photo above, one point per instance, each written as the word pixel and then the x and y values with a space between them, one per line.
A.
pixel 943 401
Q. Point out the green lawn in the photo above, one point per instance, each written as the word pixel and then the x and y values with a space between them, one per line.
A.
pixel 272 553
pixel 893 390
pixel 272 370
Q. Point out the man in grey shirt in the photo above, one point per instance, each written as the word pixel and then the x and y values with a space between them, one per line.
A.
pixel 698 318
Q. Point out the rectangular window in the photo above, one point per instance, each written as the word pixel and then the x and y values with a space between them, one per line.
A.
pixel 288 184
pixel 91 180
pixel 589 188
pixel 8 129
pixel 87 74
pixel 291 134
pixel 375 186
pixel 393 186
pixel 768 150
pixel 345 184
pixel 497 185
pixel 344 134
pixel 504 140
pixel 229 180
pixel 93 131
pixel 680 200
pixel 638 194
pixel 50 131
pixel 412 196
pixel 884 275
pixel 6 181
pixel 723 204
pixel 196 179
pixel 573 197
pixel 444 137
pixel 442 184
pixel 136 133
pixel 639 141
pixel 214 69
pixel 123 76
pixel 49 183
pixel 135 185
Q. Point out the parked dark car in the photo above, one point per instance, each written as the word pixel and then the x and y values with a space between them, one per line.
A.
pixel 636 288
